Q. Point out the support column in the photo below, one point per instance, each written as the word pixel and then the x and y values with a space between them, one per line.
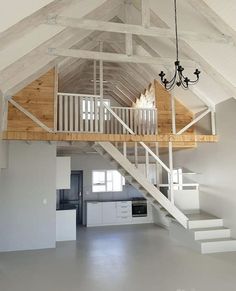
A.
pixel 101 89
pixel 213 122
pixel 95 77
pixel 171 187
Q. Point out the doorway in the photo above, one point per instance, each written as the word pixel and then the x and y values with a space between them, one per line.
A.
pixel 73 197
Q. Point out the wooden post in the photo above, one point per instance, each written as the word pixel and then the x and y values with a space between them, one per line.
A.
pixel 171 190
pixel 101 89
pixel 125 149
pixel 157 166
pixel 147 164
pixel 213 122
pixel 95 77
pixel 136 154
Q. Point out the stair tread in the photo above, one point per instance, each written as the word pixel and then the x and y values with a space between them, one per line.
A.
pixel 209 228
pixel 201 216
pixel 218 240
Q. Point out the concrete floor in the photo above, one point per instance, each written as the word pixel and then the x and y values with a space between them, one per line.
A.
pixel 129 258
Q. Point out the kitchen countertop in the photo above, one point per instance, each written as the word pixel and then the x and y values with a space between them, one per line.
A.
pixel 117 200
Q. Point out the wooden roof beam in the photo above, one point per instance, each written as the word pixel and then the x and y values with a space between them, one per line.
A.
pixel 98 25
pixel 114 57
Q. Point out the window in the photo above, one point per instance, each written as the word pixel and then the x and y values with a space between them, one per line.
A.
pixel 90 108
pixel 107 181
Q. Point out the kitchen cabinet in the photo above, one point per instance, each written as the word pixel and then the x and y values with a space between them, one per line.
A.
pixel 63 172
pixel 94 213
pixel 109 213
pixel 66 225
pixel 124 212
pixel 114 213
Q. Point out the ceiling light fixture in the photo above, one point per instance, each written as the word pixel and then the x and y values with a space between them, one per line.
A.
pixel 179 78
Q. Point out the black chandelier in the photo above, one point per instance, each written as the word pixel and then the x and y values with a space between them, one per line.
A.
pixel 179 78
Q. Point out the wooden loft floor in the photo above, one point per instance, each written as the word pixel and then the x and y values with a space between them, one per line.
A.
pixel 178 140
pixel 34 115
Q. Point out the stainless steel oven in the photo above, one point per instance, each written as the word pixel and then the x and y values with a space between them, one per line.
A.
pixel 139 208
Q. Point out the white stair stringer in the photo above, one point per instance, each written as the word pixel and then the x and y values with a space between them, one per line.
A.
pixel 205 234
pixel 140 182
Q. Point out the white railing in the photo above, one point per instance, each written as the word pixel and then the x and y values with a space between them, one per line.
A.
pixel 148 153
pixel 78 113
pixel 82 113
pixel 139 120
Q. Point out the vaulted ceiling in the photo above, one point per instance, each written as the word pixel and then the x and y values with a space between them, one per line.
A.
pixel 208 39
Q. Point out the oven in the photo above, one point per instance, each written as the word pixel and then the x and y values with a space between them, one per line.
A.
pixel 139 208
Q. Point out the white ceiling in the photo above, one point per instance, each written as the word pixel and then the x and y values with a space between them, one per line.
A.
pixel 24 46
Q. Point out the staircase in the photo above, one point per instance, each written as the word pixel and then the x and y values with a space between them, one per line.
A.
pixel 200 231
pixel 139 181
pixel 206 234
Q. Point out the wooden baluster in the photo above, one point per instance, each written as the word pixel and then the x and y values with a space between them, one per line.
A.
pixel 65 113
pixel 139 121
pixel 86 114
pixel 131 119
pixel 71 113
pixel 96 114
pixel 76 114
pixel 127 116
pixel 91 113
pixel 144 120
pixel 123 118
pixel 61 97
pixel 81 114
pixel 112 122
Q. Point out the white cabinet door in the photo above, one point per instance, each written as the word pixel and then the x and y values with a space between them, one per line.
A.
pixel 94 213
pixel 109 213
pixel 63 172
pixel 124 212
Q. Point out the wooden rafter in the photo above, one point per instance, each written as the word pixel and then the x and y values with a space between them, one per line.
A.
pixel 89 24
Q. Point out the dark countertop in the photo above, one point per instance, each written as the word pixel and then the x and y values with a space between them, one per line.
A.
pixel 66 207
pixel 117 200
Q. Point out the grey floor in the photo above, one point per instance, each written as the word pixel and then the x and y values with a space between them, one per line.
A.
pixel 131 258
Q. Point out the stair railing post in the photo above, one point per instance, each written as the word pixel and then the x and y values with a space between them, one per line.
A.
pixel 157 166
pixel 136 154
pixel 171 186
pixel 213 122
pixel 125 148
pixel 147 164
pixel 101 118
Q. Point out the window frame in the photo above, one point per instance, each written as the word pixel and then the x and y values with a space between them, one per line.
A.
pixel 122 180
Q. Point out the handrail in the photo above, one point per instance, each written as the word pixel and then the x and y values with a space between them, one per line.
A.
pixel 134 108
pixel 77 95
pixel 194 121
pixel 181 185
pixel 142 143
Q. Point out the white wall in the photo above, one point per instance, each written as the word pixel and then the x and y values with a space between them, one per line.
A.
pixel 217 165
pixel 28 197
pixel 3 154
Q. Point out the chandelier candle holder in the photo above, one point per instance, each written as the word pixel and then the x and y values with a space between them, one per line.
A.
pixel 179 78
